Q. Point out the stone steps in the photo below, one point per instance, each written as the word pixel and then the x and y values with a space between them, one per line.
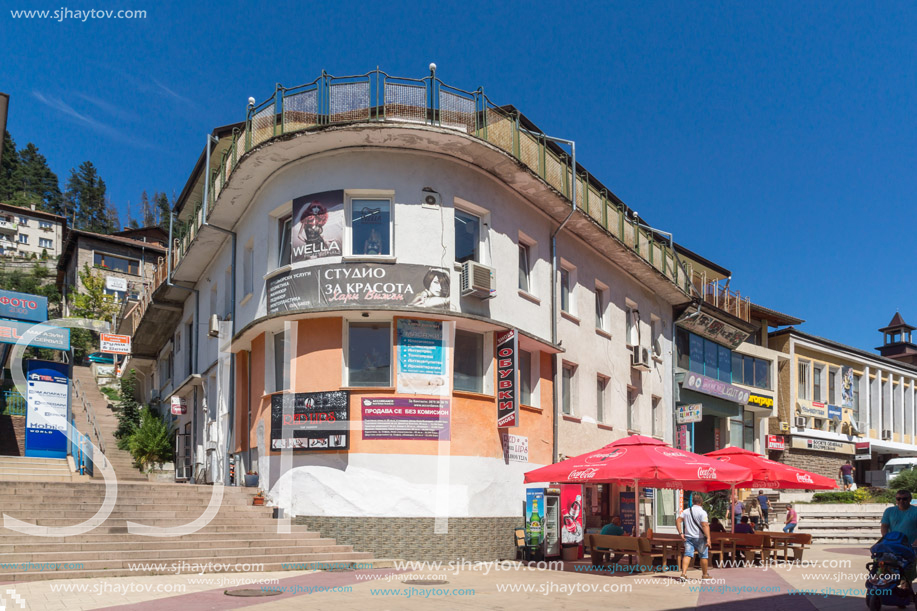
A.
pixel 252 540
pixel 201 537
pixel 316 546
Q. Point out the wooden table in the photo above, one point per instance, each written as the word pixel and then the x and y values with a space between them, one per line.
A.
pixel 781 541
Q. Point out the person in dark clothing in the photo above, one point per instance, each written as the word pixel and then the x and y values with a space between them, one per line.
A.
pixel 745 526
pixel 765 505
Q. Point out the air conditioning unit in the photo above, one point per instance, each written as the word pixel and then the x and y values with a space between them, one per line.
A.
pixel 784 427
pixel 431 199
pixel 478 280
pixel 886 435
pixel 640 358
pixel 860 428
pixel 801 422
pixel 214 328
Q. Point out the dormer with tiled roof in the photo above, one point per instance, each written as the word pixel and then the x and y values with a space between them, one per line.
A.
pixel 897 341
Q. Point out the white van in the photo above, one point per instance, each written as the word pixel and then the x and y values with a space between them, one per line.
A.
pixel 897 465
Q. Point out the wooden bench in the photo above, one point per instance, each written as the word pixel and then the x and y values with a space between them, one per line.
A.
pixel 757 543
pixel 601 547
pixel 797 542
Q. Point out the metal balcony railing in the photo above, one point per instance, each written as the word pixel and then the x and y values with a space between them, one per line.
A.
pixel 722 297
pixel 379 97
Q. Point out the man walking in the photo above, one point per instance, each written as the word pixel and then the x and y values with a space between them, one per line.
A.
pixel 694 528
pixel 765 506
pixel 846 473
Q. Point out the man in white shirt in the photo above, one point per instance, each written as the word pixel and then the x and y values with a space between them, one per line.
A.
pixel 694 528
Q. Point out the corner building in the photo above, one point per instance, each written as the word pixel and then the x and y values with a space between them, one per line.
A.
pixel 359 266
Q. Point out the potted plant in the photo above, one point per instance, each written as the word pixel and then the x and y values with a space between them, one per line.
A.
pixel 251 479
pixel 258 499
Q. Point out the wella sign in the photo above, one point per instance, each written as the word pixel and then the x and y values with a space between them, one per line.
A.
pixel 21 306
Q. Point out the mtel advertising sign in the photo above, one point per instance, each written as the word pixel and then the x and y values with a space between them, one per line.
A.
pixel 55 338
pixel 48 400
pixel 507 379
pixel 21 306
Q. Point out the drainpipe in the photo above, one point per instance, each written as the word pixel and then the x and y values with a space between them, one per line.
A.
pixel 211 139
pixel 557 364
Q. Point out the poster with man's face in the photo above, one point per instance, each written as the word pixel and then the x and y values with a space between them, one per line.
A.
pixel 318 226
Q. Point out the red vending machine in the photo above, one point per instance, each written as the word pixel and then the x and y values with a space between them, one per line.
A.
pixel 571 507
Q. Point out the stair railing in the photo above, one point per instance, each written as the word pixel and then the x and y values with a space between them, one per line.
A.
pixel 90 417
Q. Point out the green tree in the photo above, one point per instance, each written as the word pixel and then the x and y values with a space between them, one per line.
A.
pixel 128 410
pixel 111 214
pixel 152 441
pixel 146 210
pixel 34 182
pixel 9 166
pixel 84 200
pixel 163 210
pixel 92 303
pixel 906 480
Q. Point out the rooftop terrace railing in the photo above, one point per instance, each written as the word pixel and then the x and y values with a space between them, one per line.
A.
pixel 377 96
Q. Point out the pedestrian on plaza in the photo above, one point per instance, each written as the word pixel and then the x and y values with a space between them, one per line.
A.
pixel 716 526
pixel 613 527
pixel 902 517
pixel 694 528
pixel 737 511
pixel 754 512
pixel 791 519
pixel 745 526
pixel 765 506
pixel 846 473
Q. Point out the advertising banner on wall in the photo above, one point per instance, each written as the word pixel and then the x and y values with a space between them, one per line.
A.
pixel 834 412
pixel 812 409
pixel 22 306
pixel 686 414
pixel 534 515
pixel 406 418
pixel 359 285
pixel 515 448
pixel 847 382
pixel 115 344
pixel 423 357
pixel 571 507
pixel 507 379
pixel 713 329
pixel 715 388
pixel 318 226
pixel 628 512
pixel 48 409
pixel 55 338
pixel 320 420
pixel 776 442
pixel 179 406
pixel 822 445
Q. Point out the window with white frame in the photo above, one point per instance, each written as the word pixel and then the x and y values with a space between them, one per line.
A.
pixel 818 382
pixel 567 390
pixel 248 269
pixel 524 267
pixel 23 221
pixel 23 238
pixel 601 385
pixel 45 243
pixel 632 322
pixel 631 408
pixel 467 236
pixel 567 282
pixel 601 306
pixel 369 354
pixel 468 363
pixel 369 226
pixel 44 225
pixel 657 427
pixel 656 335
pixel 802 380
pixel 833 373
pixel 525 378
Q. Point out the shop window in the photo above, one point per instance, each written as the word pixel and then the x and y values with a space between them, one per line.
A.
pixel 115 263
pixel 285 227
pixel 525 377
pixel 467 236
pixel 697 354
pixel 369 354
pixel 370 227
pixel 468 371
pixel 524 268
pixel 748 439
pixel 665 507
pixel 568 373
pixel 762 373
pixel 724 364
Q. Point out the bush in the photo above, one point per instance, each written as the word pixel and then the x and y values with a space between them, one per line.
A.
pixel 881 495
pixel 112 393
pixel 152 442
pixel 834 497
pixel 716 504
pixel 128 411
pixel 906 480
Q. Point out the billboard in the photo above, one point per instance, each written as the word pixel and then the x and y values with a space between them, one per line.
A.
pixel 318 226
pixel 48 409
pixel 406 418
pixel 55 338
pixel 22 306
pixel 507 379
pixel 423 352
pixel 319 420
pixel 115 344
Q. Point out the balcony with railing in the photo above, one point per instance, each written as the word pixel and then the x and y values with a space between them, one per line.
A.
pixel 720 296
pixel 379 97
pixel 8 226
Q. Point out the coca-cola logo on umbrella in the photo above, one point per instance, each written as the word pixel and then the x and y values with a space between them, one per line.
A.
pixel 602 457
pixel 673 453
pixel 583 473
pixel 706 473
pixel 804 478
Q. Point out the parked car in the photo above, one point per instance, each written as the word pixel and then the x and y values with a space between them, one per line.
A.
pixel 99 357
pixel 896 465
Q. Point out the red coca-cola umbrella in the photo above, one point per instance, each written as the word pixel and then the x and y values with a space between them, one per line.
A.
pixel 643 461
pixel 767 473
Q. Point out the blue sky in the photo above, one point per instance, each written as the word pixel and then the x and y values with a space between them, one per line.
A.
pixel 777 139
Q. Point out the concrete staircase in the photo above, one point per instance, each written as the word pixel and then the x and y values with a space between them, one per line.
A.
pixel 840 523
pixel 107 423
pixel 22 469
pixel 240 534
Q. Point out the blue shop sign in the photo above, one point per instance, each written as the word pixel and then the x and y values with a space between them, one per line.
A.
pixel 834 412
pixel 22 306
pixel 55 338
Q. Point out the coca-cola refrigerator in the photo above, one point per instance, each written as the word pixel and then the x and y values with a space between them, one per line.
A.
pixel 542 522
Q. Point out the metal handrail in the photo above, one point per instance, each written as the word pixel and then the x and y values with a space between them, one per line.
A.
pixel 90 415
pixel 379 97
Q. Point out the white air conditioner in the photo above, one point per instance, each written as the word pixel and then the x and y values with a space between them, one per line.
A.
pixel 886 435
pixel 640 358
pixel 214 329
pixel 478 280
pixel 801 422
pixel 784 427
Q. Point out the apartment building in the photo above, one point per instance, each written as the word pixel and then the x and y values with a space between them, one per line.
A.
pixel 28 233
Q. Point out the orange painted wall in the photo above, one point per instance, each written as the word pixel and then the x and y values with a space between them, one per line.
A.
pixel 319 367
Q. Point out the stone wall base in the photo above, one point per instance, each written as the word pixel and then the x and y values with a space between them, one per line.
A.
pixel 471 539
pixel 12 435
pixel 823 463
